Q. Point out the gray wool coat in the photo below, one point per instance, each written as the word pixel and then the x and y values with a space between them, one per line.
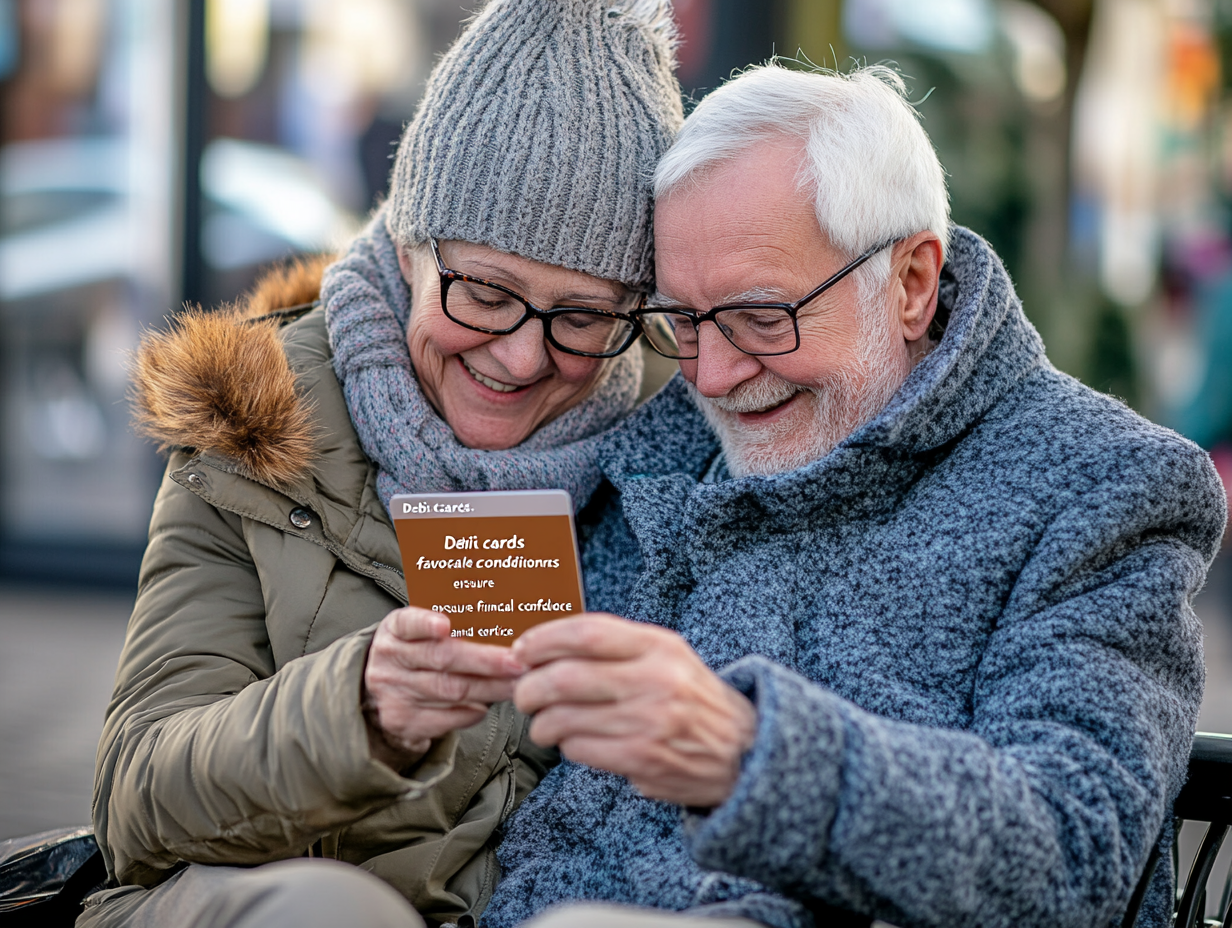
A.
pixel 968 633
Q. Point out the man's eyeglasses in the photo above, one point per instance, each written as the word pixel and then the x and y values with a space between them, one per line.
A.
pixel 755 328
pixel 483 306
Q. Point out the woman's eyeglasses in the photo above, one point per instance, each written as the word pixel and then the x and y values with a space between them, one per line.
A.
pixel 755 328
pixel 483 306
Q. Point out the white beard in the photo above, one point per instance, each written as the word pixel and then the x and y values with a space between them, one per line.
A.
pixel 845 400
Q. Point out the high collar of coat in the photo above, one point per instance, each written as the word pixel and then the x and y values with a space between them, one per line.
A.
pixel 987 348
pixel 219 382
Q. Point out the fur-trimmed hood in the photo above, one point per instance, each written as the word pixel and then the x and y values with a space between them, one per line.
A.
pixel 219 381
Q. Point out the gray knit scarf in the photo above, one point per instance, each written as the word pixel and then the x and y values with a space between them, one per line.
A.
pixel 367 304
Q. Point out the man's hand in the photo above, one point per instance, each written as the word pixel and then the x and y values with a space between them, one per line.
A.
pixel 420 683
pixel 636 700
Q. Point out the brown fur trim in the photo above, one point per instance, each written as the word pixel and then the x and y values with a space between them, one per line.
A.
pixel 220 381
pixel 291 284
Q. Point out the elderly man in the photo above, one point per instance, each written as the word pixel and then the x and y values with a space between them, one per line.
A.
pixel 905 613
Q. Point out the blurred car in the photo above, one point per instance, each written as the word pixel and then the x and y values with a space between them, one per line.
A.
pixel 66 221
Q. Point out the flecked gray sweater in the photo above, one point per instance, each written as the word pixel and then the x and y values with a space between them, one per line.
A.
pixel 967 632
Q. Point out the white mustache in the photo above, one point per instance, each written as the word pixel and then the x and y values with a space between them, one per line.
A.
pixel 760 393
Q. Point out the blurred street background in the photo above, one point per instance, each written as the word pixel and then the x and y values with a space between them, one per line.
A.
pixel 159 152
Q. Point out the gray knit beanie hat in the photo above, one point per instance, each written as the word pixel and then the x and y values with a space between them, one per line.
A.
pixel 539 132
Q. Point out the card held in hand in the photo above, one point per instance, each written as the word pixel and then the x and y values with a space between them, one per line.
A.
pixel 495 562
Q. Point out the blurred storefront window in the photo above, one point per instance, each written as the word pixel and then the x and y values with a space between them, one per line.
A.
pixel 291 90
pixel 87 232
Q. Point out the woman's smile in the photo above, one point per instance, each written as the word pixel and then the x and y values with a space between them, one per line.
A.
pixel 489 382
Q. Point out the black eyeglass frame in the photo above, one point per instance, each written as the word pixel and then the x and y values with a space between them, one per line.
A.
pixel 792 309
pixel 449 276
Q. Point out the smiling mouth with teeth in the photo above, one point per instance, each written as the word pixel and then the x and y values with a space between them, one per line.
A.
pixel 488 381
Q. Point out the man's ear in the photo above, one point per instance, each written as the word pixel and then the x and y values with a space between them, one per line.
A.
pixel 915 274
pixel 406 262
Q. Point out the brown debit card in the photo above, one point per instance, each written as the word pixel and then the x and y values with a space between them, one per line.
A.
pixel 495 562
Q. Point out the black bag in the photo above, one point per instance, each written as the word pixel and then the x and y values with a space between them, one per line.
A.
pixel 44 877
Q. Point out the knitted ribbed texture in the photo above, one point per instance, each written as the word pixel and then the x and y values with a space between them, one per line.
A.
pixel 538 134
pixel 367 304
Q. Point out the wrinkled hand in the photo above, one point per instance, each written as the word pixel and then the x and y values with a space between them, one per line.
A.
pixel 420 684
pixel 636 700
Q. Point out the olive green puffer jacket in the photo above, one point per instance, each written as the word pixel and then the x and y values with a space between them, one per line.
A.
pixel 235 735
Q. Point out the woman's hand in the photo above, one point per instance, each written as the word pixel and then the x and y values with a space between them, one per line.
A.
pixel 420 683
pixel 636 700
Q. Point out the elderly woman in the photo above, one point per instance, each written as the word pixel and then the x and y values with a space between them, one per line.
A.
pixel 273 702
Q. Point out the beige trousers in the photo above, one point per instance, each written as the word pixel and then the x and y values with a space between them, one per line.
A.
pixel 303 893
pixel 315 893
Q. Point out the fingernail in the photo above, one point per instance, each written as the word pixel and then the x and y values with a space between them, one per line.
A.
pixel 515 666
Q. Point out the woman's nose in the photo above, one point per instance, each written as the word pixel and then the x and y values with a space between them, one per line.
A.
pixel 523 353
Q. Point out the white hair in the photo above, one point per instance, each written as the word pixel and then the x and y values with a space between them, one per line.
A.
pixel 868 163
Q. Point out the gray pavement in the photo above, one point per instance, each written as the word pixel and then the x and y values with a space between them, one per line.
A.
pixel 58 654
